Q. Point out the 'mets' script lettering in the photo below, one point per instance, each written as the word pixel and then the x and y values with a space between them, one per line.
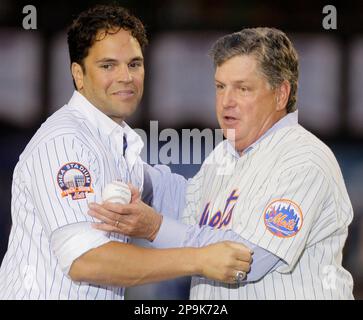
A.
pixel 220 218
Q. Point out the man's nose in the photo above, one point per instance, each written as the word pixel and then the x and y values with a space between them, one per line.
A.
pixel 124 74
pixel 228 99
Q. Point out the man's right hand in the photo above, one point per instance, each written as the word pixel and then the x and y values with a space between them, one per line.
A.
pixel 137 219
pixel 221 261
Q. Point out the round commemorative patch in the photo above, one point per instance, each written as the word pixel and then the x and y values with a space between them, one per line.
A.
pixel 283 218
pixel 74 179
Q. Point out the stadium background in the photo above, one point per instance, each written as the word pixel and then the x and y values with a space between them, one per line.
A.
pixel 35 81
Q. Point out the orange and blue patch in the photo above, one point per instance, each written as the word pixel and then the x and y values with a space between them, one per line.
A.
pixel 283 218
pixel 74 179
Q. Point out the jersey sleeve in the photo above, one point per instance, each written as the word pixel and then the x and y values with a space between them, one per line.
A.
pixel 193 199
pixel 167 188
pixel 282 214
pixel 65 175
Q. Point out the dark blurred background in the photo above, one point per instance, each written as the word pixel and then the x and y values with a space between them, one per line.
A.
pixel 35 81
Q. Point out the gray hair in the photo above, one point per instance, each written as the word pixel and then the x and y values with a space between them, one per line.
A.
pixel 277 57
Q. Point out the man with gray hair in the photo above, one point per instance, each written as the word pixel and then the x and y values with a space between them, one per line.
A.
pixel 281 188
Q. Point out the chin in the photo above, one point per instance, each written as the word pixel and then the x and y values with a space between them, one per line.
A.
pixel 129 113
pixel 126 109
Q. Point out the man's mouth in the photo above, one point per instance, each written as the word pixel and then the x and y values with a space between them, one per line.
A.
pixel 229 120
pixel 125 93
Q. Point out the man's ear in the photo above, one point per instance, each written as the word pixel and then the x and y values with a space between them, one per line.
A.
pixel 282 95
pixel 77 73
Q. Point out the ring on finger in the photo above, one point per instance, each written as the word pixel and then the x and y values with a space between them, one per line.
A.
pixel 240 275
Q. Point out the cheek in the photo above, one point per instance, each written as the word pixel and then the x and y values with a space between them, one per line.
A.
pixel 106 82
pixel 219 106
pixel 247 107
pixel 101 80
pixel 139 82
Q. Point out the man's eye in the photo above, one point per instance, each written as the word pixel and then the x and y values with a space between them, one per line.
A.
pixel 219 86
pixel 243 89
pixel 135 64
pixel 107 66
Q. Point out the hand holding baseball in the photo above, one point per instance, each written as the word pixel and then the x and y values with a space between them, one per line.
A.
pixel 118 214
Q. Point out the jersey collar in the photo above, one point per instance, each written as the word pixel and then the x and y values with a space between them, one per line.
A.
pixel 107 126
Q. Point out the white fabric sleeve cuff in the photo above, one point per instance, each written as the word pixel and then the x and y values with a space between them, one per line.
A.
pixel 71 241
pixel 171 234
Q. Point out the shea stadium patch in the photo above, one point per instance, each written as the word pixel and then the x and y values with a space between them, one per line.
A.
pixel 283 218
pixel 74 179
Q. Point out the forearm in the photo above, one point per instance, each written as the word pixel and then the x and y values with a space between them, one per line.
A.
pixel 176 234
pixel 125 265
pixel 263 263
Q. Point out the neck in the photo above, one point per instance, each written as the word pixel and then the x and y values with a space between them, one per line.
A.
pixel 118 120
pixel 267 125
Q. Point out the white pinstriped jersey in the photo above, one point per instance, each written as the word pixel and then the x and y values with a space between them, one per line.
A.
pixel 287 195
pixel 78 146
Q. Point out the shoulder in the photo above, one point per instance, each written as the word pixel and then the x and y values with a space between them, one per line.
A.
pixel 65 121
pixel 66 126
pixel 297 147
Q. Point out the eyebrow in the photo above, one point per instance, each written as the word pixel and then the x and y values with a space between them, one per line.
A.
pixel 234 82
pixel 108 60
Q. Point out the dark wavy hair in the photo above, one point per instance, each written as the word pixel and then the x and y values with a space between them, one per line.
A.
pixel 82 32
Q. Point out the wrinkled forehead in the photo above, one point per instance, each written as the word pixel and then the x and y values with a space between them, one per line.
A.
pixel 239 67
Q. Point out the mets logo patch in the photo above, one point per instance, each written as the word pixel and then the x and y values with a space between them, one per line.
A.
pixel 283 218
pixel 74 179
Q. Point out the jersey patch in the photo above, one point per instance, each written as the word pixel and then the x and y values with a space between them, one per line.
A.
pixel 74 179
pixel 283 218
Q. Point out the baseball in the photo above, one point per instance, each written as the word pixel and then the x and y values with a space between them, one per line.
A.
pixel 116 192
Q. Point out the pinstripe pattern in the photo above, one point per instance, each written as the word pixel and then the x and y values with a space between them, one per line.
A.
pixel 289 163
pixel 76 133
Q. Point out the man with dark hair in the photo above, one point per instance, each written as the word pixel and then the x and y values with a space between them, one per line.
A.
pixel 53 252
pixel 84 30
pixel 271 181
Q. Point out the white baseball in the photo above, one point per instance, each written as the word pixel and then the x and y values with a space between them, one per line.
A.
pixel 117 192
